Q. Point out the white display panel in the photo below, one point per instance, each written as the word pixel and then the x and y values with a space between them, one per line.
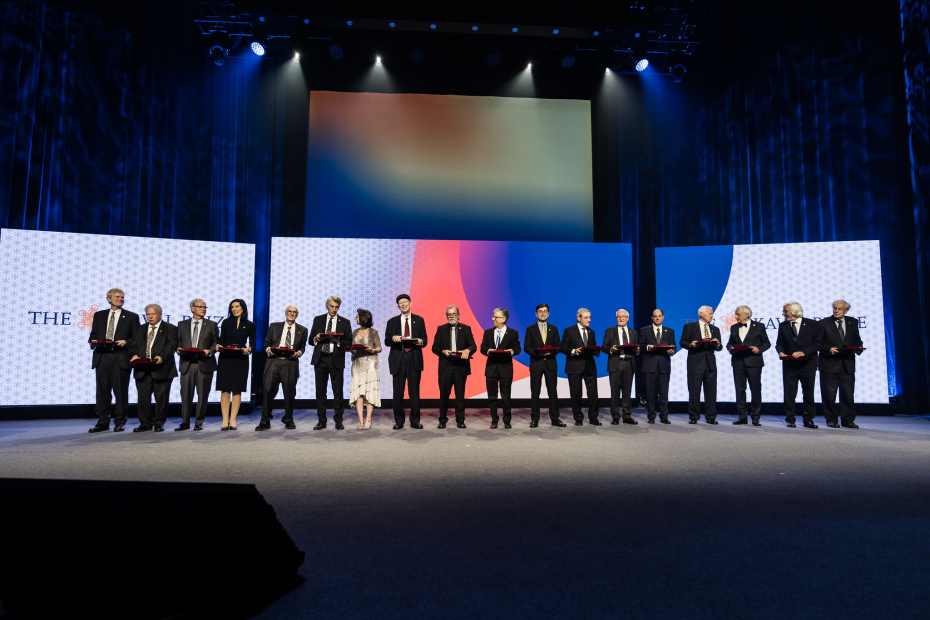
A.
pixel 54 282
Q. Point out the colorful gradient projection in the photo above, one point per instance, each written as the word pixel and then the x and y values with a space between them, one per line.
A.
pixel 476 276
pixel 448 166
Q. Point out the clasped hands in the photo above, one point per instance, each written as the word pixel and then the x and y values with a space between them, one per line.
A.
pixel 695 343
pixel 158 359
pixel 419 340
pixel 670 350
pixel 465 353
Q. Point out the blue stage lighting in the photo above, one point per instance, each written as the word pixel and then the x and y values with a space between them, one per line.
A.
pixel 568 62
pixel 638 35
pixel 597 32
pixel 258 49
pixel 474 27
pixel 261 19
pixel 392 24
pixel 556 31
pixel 306 21
pixel 335 51
pixel 494 59
pixel 641 64
pixel 349 23
pixel 432 26
pixel 515 30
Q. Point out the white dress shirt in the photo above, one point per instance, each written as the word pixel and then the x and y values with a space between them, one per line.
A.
pixel 194 323
pixel 620 332
pixel 152 328
pixel 701 324
pixel 743 330
pixel 796 322
pixel 499 335
pixel 115 314
pixel 293 329
pixel 657 331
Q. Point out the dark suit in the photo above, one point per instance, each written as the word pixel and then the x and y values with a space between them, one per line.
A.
pixel 453 370
pixel 581 367
pixel 657 367
pixel 196 368
pixel 405 362
pixel 621 366
pixel 329 365
pixel 747 366
pixel 804 370
pixel 498 372
pixel 702 369
pixel 282 371
pixel 543 367
pixel 112 365
pixel 838 372
pixel 155 378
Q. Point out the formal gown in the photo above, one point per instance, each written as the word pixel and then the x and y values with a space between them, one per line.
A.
pixel 232 370
pixel 365 379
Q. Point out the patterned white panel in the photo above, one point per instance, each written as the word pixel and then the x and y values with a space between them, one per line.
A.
pixel 53 280
pixel 765 277
pixel 365 273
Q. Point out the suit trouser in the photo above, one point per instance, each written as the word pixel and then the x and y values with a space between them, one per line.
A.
pixel 656 382
pixel 790 376
pixel 111 377
pixel 707 379
pixel 147 385
pixel 504 383
pixel 621 389
pixel 453 377
pixel 552 382
pixel 742 373
pixel 846 383
pixel 574 392
pixel 325 371
pixel 407 376
pixel 284 373
pixel 192 380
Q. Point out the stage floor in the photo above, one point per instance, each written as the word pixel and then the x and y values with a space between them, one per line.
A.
pixel 577 522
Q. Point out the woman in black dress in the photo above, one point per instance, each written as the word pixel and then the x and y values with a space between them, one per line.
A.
pixel 232 372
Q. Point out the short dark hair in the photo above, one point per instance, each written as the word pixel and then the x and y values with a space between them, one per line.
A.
pixel 546 306
pixel 364 318
pixel 242 304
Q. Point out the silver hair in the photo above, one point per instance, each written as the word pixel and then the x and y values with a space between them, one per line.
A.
pixel 153 306
pixel 745 309
pixel 843 301
pixel 292 306
pixel 621 310
pixel 335 298
pixel 795 309
pixel 581 311
pixel 113 291
pixel 196 300
pixel 703 308
pixel 456 309
pixel 504 312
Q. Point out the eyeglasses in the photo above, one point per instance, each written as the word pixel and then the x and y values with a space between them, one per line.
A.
pixel 204 307
pixel 452 315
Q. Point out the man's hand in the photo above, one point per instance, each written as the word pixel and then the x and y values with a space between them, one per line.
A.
pixel 797 354
pixel 694 344
pixel 615 348
pixel 754 350
pixel 649 347
pixel 295 354
pixel 512 352
pixel 179 350
pixel 206 351
pixel 670 350
pixel 267 351
pixel 834 350
pixel 716 342
pixel 158 359
pixel 246 350
pixel 577 351
pixel 133 358
pixel 121 343
pixel 316 338
pixel 396 338
pixel 465 354
pixel 419 342
pixel 446 352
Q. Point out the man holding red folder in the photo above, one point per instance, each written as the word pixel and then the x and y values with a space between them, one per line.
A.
pixel 500 344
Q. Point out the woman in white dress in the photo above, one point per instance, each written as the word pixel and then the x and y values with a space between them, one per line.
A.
pixel 366 383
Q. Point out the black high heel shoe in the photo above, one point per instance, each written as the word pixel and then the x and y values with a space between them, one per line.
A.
pixel 225 428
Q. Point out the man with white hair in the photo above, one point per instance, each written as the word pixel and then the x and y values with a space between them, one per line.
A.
pixel 752 341
pixel 797 344
pixel 282 370
pixel 702 340
pixel 577 341
pixel 454 344
pixel 618 343
pixel 838 367
pixel 329 359
pixel 197 368
pixel 155 341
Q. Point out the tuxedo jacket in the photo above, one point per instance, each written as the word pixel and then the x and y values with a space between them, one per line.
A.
pixel 657 360
pixel 843 360
pixel 755 337
pixel 464 340
pixel 298 342
pixel 809 342
pixel 319 327
pixel 703 357
pixel 501 363
pixel 532 340
pixel 417 330
pixel 612 337
pixel 208 337
pixel 571 340
pixel 126 328
pixel 164 345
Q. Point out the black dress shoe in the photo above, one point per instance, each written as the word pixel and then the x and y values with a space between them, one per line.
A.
pixel 534 424
pixel 741 421
pixel 494 426
pixel 441 425
pixel 319 426
pixel 615 422
pixel 664 421
pixel 579 423
pixel 756 423
pixel 849 425
pixel 650 421
pixel 630 421
pixel 460 424
pixel 183 427
pixel 417 425
pixel 291 426
pixel 713 422
pixel 340 427
pixel 792 426
pixel 198 427
pixel 833 424
pixel 98 429
pixel 810 424
pixel 263 427
pixel 559 423
pixel 692 421
pixel 159 428
pixel 507 425
pixel 118 428
pixel 397 427
pixel 595 423
pixel 225 428
pixel 141 429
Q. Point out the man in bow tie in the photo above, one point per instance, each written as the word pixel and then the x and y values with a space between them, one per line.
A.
pixel 747 363
pixel 454 344
pixel 838 367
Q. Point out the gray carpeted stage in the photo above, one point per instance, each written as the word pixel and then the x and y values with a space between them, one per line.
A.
pixel 577 522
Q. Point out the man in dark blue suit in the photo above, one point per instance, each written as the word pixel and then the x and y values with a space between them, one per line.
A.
pixel 747 363
pixel 657 365
pixel 702 341
pixel 838 367
pixel 329 359
pixel 797 344
pixel 406 335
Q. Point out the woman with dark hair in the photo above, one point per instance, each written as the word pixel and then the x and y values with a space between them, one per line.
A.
pixel 232 372
pixel 366 383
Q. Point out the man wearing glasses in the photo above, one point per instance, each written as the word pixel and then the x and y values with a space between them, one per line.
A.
pixel 196 368
pixel 454 344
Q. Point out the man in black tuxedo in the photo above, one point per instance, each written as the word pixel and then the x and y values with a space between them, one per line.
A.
pixel 156 341
pixel 838 367
pixel 454 344
pixel 657 365
pixel 543 365
pixel 498 372
pixel 797 344
pixel 196 368
pixel 621 366
pixel 702 364
pixel 406 335
pixel 747 364
pixel 282 370
pixel 329 359
pixel 111 359
pixel 579 364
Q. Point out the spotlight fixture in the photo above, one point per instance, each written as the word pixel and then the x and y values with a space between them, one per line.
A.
pixel 474 27
pixel 296 55
pixel 257 48
pixel 432 26
pixel 261 19
pixel 676 65
pixel 336 51
pixel 392 24
pixel 568 62
pixel 529 66
pixel 306 22
pixel 349 23
pixel 494 59
pixel 597 32
pixel 218 54
pixel 607 71
pixel 641 64
pixel 678 73
pixel 556 31
pixel 514 30
pixel 378 60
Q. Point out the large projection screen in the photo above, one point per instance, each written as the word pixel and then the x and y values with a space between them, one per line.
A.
pixel 446 166
pixel 54 282
pixel 476 276
pixel 765 277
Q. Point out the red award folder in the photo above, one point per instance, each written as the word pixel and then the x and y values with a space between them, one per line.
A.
pixel 455 354
pixel 789 358
pixel 281 351
pixel 141 362
pixel 628 346
pixel 550 348
pixel 663 346
pixel 739 348
pixel 330 335
pixel 706 341
pixel 500 351
pixel 231 347
pixel 354 347
pixel 853 349
pixel 191 350
pixel 408 339
pixel 595 350
pixel 102 342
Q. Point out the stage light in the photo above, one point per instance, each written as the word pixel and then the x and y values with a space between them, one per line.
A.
pixel 261 19
pixel 378 60
pixel 306 22
pixel 556 31
pixel 474 27
pixel 597 32
pixel 678 73
pixel 432 26
pixel 296 56
pixel 607 71
pixel 392 24
pixel 638 35
pixel 567 62
pixel 416 55
pixel 335 51
pixel 258 49
pixel 494 59
pixel 641 64
pixel 529 66
pixel 218 54
pixel 515 30
pixel 349 23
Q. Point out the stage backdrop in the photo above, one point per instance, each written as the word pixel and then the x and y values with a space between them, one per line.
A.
pixel 409 165
pixel 476 276
pixel 765 277
pixel 54 282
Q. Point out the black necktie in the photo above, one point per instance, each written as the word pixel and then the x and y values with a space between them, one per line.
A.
pixel 839 326
pixel 794 328
pixel 287 339
pixel 328 347
pixel 584 336
pixel 623 337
